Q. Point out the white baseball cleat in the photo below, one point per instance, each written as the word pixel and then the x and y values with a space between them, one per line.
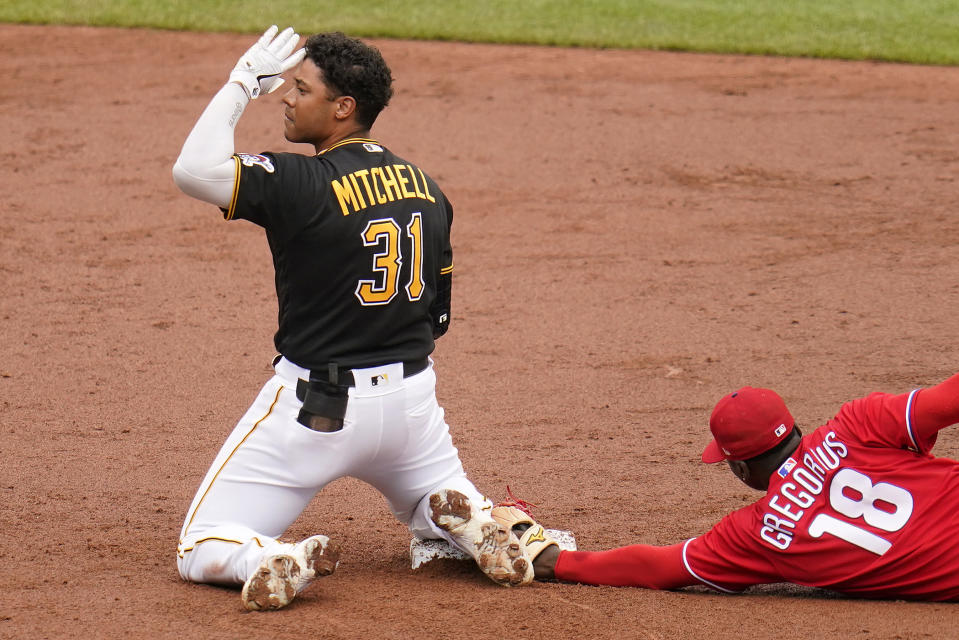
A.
pixel 279 578
pixel 494 547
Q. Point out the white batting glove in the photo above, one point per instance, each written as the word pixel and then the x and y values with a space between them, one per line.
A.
pixel 259 69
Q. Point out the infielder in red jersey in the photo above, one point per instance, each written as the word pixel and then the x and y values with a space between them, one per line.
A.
pixel 859 506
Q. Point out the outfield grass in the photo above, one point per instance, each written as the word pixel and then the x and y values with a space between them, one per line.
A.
pixel 917 31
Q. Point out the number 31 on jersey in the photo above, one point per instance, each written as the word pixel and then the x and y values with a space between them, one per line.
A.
pixel 385 234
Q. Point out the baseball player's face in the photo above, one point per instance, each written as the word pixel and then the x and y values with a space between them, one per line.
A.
pixel 311 106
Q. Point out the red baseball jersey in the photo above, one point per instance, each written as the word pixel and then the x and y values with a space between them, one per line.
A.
pixel 861 507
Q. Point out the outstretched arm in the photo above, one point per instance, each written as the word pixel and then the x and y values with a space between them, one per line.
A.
pixel 637 565
pixel 936 408
pixel 205 169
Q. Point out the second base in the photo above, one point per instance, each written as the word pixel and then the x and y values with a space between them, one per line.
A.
pixel 423 551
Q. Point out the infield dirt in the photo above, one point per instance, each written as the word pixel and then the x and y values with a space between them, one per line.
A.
pixel 636 234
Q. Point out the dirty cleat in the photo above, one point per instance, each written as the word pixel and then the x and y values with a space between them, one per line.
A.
pixel 272 585
pixel 279 578
pixel 494 546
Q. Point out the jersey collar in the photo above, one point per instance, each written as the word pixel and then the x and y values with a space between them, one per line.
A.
pixel 346 141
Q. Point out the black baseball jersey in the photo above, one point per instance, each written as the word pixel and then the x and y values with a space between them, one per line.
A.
pixel 361 247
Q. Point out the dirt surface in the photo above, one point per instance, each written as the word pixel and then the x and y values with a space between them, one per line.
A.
pixel 636 234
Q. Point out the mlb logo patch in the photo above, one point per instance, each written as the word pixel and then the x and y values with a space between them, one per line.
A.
pixel 786 467
pixel 255 160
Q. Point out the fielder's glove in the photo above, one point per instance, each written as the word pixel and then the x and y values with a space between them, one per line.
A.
pixel 514 514
pixel 259 69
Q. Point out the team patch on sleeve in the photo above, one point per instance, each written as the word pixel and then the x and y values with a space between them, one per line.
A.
pixel 255 160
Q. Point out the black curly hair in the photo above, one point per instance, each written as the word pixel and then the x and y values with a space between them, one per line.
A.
pixel 353 68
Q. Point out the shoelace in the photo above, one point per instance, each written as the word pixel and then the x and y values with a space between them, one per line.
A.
pixel 513 501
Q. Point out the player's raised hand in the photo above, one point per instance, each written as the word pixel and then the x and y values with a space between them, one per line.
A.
pixel 259 69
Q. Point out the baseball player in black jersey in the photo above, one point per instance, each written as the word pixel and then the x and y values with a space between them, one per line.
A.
pixel 361 249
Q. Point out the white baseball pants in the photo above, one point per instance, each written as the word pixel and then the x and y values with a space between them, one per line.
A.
pixel 394 437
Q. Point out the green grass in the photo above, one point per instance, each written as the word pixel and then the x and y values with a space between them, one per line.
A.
pixel 917 31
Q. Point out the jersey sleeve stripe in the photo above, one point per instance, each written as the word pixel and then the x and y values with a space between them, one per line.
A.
pixel 446 270
pixel 695 575
pixel 236 189
pixel 910 428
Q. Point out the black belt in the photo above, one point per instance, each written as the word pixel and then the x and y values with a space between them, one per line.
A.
pixel 344 377
pixel 326 393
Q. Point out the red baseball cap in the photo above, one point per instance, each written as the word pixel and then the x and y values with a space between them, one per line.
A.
pixel 746 423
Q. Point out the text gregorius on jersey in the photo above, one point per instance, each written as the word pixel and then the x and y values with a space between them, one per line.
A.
pixel 804 481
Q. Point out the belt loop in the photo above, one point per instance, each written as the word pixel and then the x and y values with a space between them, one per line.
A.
pixel 333 374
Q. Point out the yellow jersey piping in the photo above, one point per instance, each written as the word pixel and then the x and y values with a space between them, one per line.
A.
pixel 182 552
pixel 236 189
pixel 348 141
pixel 239 444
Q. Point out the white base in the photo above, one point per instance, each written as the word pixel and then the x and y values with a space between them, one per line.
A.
pixel 423 551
